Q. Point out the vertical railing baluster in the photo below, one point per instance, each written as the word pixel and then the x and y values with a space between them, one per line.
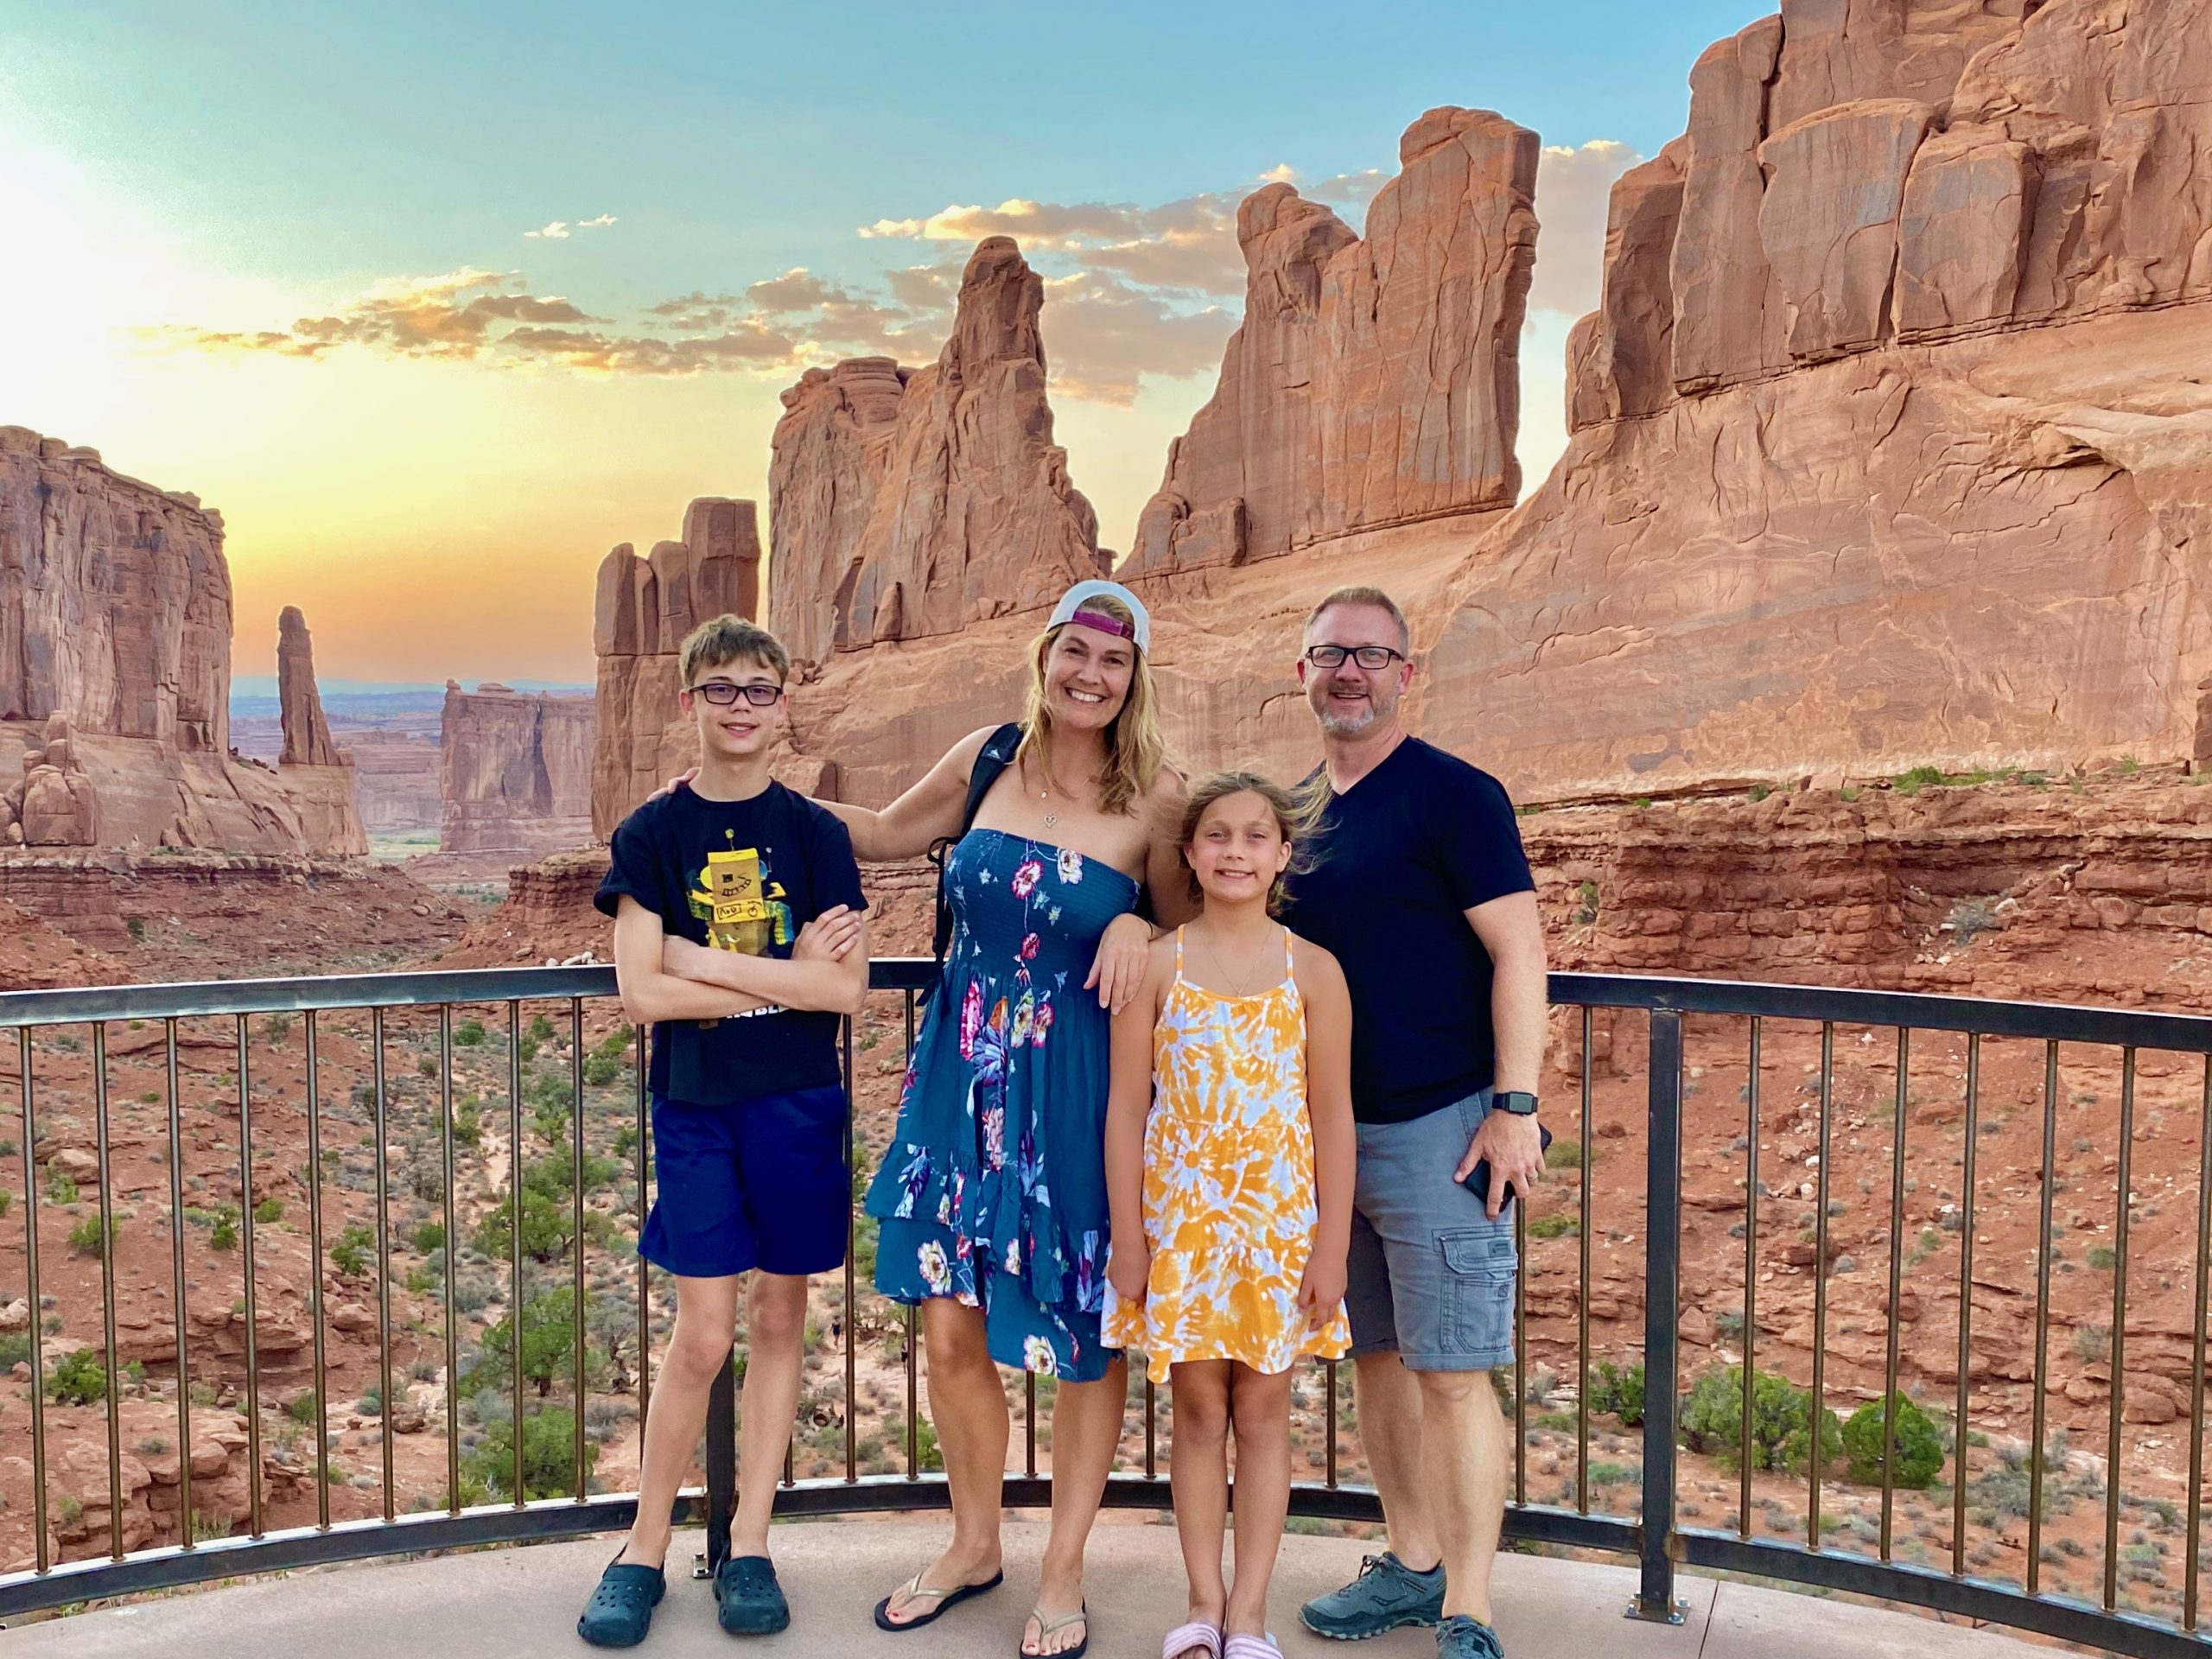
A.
pixel 252 1308
pixel 1960 1425
pixel 1521 1351
pixel 185 1539
pixel 1029 1423
pixel 453 1225
pixel 1662 1312
pixel 1582 1290
pixel 2119 1326
pixel 644 1299
pixel 107 1220
pixel 1900 1110
pixel 2196 1425
pixel 315 1298
pixel 913 1396
pixel 1329 1424
pixel 380 1119
pixel 43 1554
pixel 1151 1428
pixel 2042 1315
pixel 1816 1420
pixel 576 1238
pixel 516 1495
pixel 1750 1281
pixel 851 1307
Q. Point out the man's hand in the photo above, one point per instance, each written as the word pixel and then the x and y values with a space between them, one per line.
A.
pixel 674 784
pixel 1515 1150
pixel 1322 1289
pixel 1117 971
pixel 830 937
pixel 1129 1269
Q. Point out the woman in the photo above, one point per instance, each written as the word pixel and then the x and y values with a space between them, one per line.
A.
pixel 992 1197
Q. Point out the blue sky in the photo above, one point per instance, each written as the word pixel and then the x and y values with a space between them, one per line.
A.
pixel 190 180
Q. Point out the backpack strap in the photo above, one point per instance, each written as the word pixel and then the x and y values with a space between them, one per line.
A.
pixel 996 755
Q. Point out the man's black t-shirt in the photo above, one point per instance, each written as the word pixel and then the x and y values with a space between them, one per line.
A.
pixel 741 875
pixel 1403 854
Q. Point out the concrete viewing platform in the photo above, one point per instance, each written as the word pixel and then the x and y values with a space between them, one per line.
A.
pixel 491 1603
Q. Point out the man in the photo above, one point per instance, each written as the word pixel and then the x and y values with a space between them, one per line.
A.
pixel 1423 891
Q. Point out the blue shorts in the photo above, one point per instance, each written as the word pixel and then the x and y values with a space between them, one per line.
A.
pixel 758 1185
pixel 1430 1274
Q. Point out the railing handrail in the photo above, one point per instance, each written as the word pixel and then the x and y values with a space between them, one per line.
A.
pixel 1843 1005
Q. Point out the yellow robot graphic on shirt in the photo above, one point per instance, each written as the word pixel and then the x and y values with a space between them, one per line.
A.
pixel 741 901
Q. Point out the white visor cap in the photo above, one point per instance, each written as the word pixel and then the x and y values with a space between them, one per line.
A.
pixel 1073 600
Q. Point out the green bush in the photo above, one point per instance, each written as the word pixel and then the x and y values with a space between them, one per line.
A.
pixel 1919 1445
pixel 549 1345
pixel 85 1237
pixel 15 1349
pixel 1563 1154
pixel 271 1209
pixel 1561 1226
pixel 6 1199
pixel 468 1121
pixel 350 1255
pixel 77 1379
pixel 541 1030
pixel 224 1233
pixel 548 1457
pixel 1712 1422
pixel 1619 1392
pixel 60 1188
pixel 430 1236
pixel 600 1070
pixel 469 1033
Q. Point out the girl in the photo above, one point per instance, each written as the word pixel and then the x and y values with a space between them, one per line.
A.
pixel 1228 1172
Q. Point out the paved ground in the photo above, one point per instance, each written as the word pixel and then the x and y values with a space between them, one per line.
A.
pixel 492 1604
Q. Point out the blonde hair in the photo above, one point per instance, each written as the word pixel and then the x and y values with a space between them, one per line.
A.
pixel 728 638
pixel 1362 595
pixel 1134 749
pixel 1297 815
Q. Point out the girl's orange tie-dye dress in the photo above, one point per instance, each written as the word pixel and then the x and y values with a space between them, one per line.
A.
pixel 1228 1202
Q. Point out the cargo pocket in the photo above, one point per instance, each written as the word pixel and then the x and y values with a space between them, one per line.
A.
pixel 1480 1266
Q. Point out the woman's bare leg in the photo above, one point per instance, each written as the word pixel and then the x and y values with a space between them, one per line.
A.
pixel 968 1409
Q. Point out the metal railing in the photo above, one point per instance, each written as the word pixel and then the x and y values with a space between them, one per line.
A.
pixel 557 1210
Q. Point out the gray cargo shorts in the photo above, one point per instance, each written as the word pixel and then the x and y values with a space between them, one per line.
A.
pixel 1430 1274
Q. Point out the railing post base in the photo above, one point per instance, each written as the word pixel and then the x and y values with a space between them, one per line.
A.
pixel 1657 1613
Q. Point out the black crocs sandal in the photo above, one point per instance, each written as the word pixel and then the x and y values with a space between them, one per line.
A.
pixel 747 1599
pixel 620 1610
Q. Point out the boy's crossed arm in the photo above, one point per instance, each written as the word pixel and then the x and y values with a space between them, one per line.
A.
pixel 664 977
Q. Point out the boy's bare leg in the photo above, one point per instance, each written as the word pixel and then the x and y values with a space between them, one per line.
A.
pixel 968 1409
pixel 1260 1405
pixel 1197 1475
pixel 775 1323
pixel 706 1322
pixel 1463 1447
pixel 1390 1402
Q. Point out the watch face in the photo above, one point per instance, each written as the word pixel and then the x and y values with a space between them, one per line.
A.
pixel 1519 1102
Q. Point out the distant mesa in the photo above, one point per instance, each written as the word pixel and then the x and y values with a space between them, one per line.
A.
pixel 514 771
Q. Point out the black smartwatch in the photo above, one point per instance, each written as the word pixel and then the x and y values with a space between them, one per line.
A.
pixel 1519 1102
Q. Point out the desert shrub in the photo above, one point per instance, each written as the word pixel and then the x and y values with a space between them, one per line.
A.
pixel 271 1209
pixel 1619 1392
pixel 548 1456
pixel 1919 1445
pixel 350 1255
pixel 469 1033
pixel 430 1236
pixel 305 1407
pixel 77 1379
pixel 223 1232
pixel 1712 1421
pixel 85 1237
pixel 60 1188
pixel 1559 1226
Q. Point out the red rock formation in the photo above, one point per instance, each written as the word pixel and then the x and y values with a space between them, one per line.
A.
pixel 644 609
pixel 514 771
pixel 395 780
pixel 917 502
pixel 115 612
pixel 1373 381
pixel 307 734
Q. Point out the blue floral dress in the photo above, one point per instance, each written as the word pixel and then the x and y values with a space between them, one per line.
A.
pixel 993 1188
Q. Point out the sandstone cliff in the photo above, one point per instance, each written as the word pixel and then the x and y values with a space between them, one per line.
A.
pixel 905 503
pixel 643 610
pixel 1375 381
pixel 1893 439
pixel 115 615
pixel 515 771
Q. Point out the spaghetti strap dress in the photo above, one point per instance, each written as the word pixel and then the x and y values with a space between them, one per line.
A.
pixel 1229 1204
pixel 992 1191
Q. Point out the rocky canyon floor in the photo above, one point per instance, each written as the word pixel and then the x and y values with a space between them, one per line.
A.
pixel 2084 889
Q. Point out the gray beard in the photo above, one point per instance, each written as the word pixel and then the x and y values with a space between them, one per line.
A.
pixel 1338 724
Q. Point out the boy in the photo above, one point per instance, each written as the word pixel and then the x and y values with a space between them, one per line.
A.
pixel 739 939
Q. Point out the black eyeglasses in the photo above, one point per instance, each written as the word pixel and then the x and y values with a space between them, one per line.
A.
pixel 723 694
pixel 1371 657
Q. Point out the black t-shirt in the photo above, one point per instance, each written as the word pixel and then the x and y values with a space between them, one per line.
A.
pixel 741 875
pixel 1403 854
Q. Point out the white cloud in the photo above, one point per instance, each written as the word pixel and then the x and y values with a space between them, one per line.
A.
pixel 595 223
pixel 556 232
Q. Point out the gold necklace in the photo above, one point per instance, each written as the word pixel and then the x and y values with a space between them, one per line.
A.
pixel 1044 771
pixel 1236 982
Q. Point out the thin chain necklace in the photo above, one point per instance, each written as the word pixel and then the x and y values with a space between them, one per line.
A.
pixel 1236 981
pixel 1046 794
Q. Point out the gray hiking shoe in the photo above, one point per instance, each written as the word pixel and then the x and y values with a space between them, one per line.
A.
pixel 1386 1594
pixel 1461 1638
